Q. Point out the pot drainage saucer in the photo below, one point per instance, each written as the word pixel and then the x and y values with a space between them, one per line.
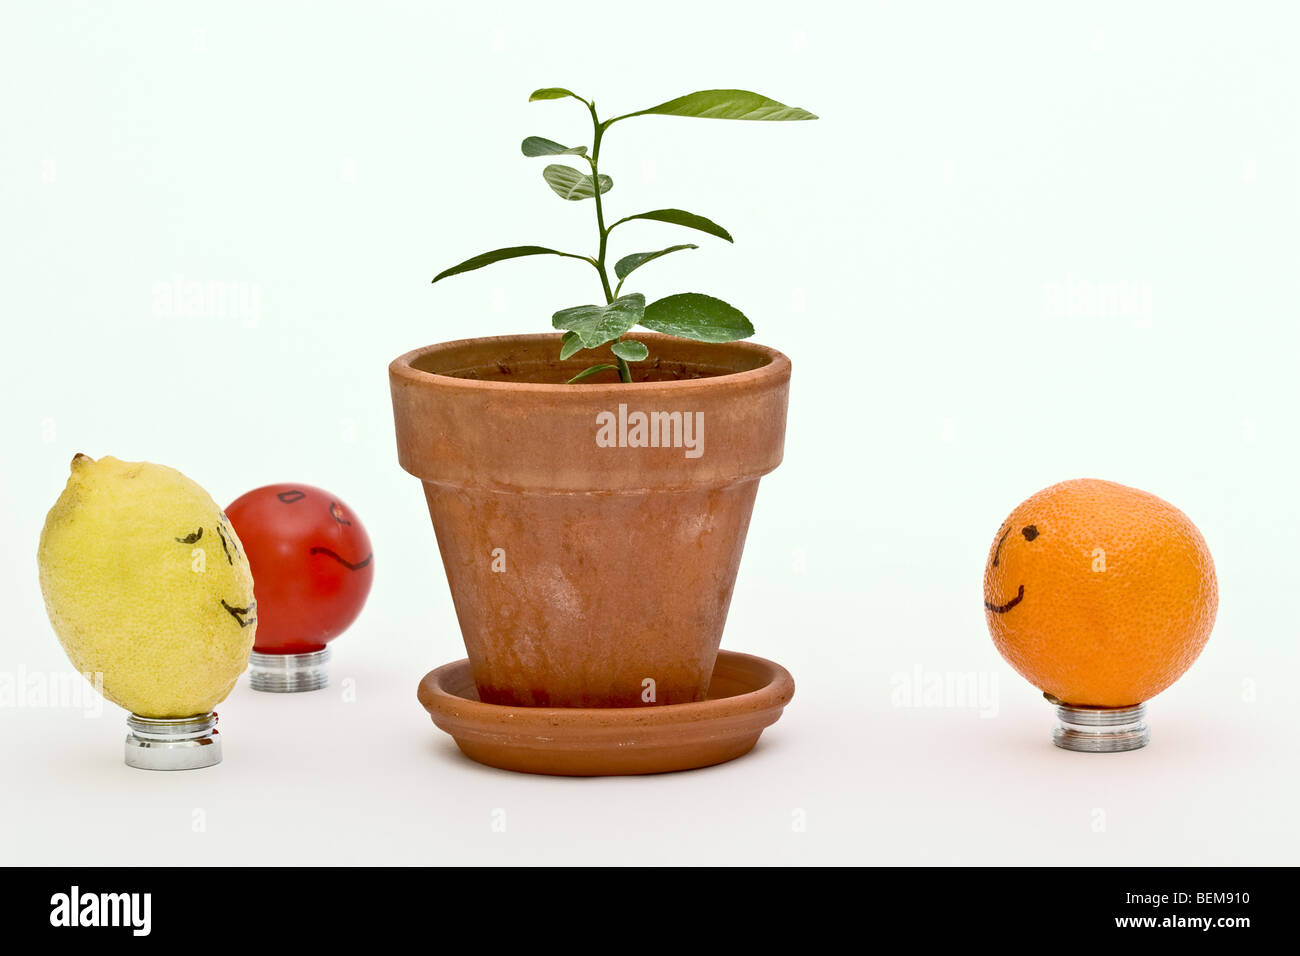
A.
pixel 746 694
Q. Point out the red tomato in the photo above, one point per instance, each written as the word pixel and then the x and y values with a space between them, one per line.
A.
pixel 311 563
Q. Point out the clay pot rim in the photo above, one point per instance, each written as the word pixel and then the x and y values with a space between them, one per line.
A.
pixel 776 367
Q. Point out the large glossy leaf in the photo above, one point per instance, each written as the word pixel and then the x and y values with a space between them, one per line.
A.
pixel 680 217
pixel 541 146
pixel 630 350
pixel 553 93
pixel 597 324
pixel 726 104
pixel 568 183
pixel 692 315
pixel 628 264
pixel 496 255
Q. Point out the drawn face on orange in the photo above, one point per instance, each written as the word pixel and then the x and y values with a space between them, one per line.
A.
pixel 1029 532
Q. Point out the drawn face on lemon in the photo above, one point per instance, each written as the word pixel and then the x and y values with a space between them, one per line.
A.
pixel 1099 594
pixel 146 582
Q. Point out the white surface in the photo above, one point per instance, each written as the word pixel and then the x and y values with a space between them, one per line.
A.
pixel 904 251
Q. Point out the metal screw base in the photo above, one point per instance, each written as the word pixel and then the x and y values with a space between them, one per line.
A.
pixel 173 743
pixel 289 673
pixel 1101 730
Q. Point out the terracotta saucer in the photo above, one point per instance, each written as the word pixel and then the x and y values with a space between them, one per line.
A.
pixel 746 694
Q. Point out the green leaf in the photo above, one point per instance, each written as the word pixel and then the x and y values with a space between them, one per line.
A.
pixel 630 350
pixel 570 343
pixel 496 255
pixel 628 264
pixel 568 183
pixel 591 371
pixel 553 93
pixel 540 146
pixel 680 217
pixel 699 317
pixel 725 104
pixel 597 324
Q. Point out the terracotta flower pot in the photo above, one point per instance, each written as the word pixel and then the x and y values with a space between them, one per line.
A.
pixel 591 534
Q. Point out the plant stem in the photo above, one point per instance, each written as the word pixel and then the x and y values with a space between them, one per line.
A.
pixel 600 212
pixel 624 370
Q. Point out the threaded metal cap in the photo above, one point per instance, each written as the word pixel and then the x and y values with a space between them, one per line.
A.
pixel 1101 730
pixel 173 743
pixel 289 673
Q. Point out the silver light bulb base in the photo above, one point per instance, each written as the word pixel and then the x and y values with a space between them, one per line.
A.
pixel 173 743
pixel 289 673
pixel 1100 730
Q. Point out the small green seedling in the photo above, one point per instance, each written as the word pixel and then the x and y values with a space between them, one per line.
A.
pixel 690 315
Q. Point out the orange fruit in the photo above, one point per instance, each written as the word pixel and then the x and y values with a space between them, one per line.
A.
pixel 1099 594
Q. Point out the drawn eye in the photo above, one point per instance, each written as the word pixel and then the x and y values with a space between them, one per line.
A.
pixel 1030 532
pixel 227 543
pixel 191 538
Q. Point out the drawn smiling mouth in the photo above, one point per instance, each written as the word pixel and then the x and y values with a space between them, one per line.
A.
pixel 343 561
pixel 244 615
pixel 1003 608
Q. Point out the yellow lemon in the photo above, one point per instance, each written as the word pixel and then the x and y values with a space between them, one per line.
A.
pixel 147 584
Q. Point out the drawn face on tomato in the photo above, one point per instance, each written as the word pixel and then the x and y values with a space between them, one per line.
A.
pixel 311 561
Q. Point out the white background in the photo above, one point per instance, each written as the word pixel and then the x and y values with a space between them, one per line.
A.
pixel 971 162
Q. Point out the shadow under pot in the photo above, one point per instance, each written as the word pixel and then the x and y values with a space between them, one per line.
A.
pixel 591 533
